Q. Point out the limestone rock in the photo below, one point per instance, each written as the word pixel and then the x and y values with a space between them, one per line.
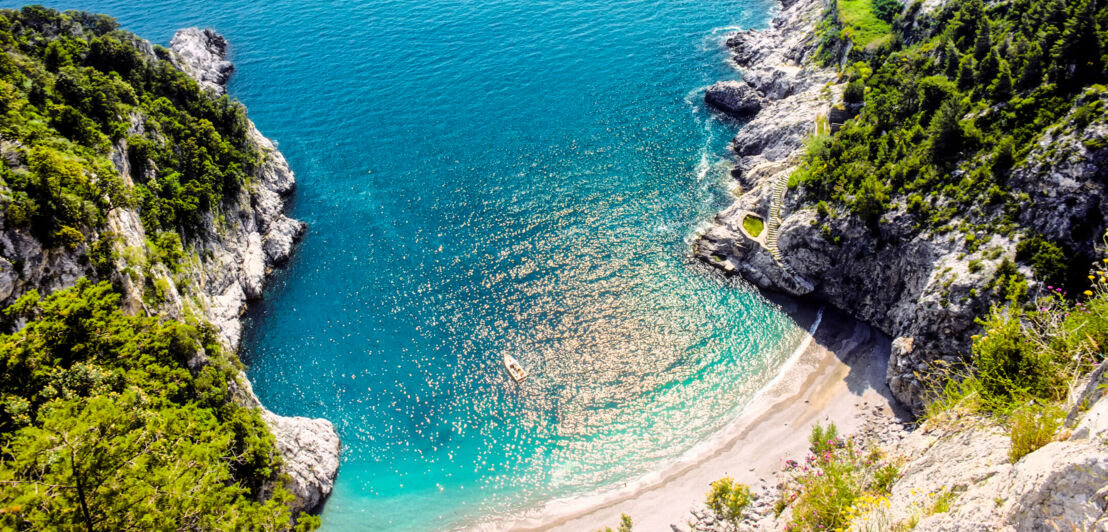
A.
pixel 311 451
pixel 925 286
pixel 735 98
pixel 261 238
pixel 7 279
pixel 203 54
pixel 280 239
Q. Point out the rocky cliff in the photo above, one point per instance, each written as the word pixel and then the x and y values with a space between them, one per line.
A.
pixel 955 474
pixel 239 254
pixel 923 287
pixel 228 261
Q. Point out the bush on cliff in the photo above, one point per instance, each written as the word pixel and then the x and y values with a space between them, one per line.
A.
pixel 835 480
pixel 957 102
pixel 104 426
pixel 1026 361
pixel 72 87
pixel 728 500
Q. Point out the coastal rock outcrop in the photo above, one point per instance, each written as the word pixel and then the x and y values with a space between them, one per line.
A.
pixel 311 451
pixel 203 53
pixel 962 459
pixel 735 98
pixel 1061 485
pixel 259 238
pixel 227 264
pixel 924 288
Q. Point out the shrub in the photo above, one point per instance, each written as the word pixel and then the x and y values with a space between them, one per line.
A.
pixel 1008 283
pixel 822 440
pixel 885 476
pixel 825 491
pixel 855 92
pixel 886 10
pixel 1008 364
pixel 728 499
pixel 1029 355
pixel 624 524
pixel 1032 427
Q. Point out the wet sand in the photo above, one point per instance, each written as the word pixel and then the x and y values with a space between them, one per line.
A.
pixel 834 372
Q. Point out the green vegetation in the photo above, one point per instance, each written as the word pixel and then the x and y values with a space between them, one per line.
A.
pixel 942 501
pixel 624 524
pixel 886 10
pixel 104 427
pixel 861 22
pixel 836 482
pixel 1033 427
pixel 953 102
pixel 1025 362
pixel 110 421
pixel 73 88
pixel 728 499
pixel 948 105
pixel 753 225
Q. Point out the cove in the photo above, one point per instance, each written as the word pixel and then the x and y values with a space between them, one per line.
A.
pixel 490 177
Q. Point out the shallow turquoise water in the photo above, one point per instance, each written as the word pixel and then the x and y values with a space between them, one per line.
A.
pixel 488 177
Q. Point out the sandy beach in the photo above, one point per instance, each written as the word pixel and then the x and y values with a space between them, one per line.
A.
pixel 836 370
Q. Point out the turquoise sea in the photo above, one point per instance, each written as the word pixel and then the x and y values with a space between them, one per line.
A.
pixel 482 177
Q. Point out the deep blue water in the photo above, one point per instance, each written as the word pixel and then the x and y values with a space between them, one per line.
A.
pixel 515 176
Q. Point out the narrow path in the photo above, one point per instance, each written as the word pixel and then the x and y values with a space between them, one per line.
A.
pixel 798 284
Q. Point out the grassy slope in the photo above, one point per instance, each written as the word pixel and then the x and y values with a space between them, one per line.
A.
pixel 861 25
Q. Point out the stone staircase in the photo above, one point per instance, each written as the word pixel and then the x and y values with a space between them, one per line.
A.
pixel 792 280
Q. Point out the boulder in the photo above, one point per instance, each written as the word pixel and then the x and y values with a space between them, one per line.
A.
pixel 202 53
pixel 311 451
pixel 735 98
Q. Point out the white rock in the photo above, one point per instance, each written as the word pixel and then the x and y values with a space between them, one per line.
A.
pixel 203 54
pixel 311 451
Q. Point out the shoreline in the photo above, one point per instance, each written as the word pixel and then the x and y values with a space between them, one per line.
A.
pixel 836 369
pixel 837 372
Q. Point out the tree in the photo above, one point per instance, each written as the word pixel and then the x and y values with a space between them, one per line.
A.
pixel 1077 54
pixel 984 43
pixel 965 26
pixel 966 73
pixel 1031 74
pixel 1052 20
pixel 1000 89
pixel 871 199
pixel 855 92
pixel 951 59
pixel 104 427
pixel 886 10
pixel 934 90
pixel 945 132
pixel 987 69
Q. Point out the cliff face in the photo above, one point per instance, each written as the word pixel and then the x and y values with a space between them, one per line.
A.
pixel 963 459
pixel 924 287
pixel 255 237
pixel 229 259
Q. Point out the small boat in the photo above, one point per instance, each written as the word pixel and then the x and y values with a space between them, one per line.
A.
pixel 514 369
